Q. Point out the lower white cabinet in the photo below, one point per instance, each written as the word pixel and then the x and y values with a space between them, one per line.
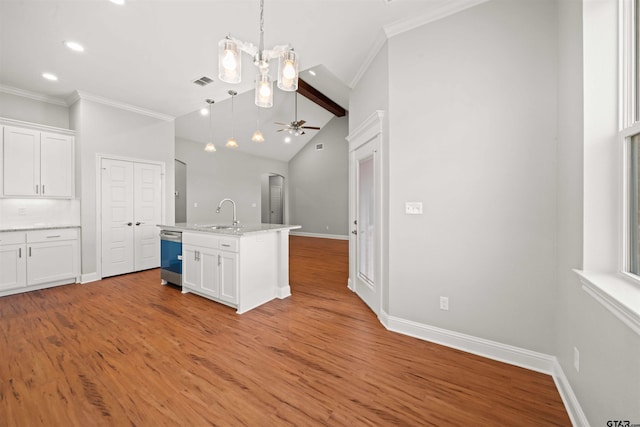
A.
pixel 209 270
pixel 38 259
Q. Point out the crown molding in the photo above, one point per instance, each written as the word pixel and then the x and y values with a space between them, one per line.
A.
pixel 449 8
pixel 78 95
pixel 32 95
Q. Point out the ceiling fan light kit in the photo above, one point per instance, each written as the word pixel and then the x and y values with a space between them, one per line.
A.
pixel 230 64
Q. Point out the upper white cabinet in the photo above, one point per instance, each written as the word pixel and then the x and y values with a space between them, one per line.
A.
pixel 37 163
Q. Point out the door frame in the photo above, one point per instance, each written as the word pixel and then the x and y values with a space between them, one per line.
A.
pixel 370 130
pixel 99 157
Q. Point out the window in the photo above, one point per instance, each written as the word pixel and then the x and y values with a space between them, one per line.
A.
pixel 630 133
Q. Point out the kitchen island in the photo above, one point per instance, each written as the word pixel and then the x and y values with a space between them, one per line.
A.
pixel 242 266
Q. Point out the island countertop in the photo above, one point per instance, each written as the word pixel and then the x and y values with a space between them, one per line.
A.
pixel 227 229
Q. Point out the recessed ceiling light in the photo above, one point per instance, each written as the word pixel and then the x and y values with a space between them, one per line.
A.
pixel 287 139
pixel 204 111
pixel 313 73
pixel 50 76
pixel 75 46
pixel 118 2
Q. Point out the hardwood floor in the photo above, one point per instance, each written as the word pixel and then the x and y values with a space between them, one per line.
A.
pixel 128 351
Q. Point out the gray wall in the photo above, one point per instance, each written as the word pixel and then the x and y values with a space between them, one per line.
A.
pixel 212 177
pixel 472 120
pixel 372 94
pixel 608 383
pixel 319 192
pixel 34 111
pixel 102 129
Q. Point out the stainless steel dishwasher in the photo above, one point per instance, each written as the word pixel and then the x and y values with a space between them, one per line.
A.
pixel 171 257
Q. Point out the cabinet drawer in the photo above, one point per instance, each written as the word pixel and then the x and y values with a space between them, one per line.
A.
pixel 12 238
pixel 52 235
pixel 230 245
pixel 197 239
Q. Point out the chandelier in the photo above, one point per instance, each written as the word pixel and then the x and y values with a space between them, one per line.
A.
pixel 230 64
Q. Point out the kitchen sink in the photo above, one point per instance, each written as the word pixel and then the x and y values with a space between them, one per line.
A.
pixel 218 227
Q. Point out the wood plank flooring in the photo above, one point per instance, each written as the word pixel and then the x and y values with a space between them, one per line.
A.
pixel 128 351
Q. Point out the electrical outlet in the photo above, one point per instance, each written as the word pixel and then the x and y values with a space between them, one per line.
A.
pixel 444 303
pixel 195 204
pixel 576 359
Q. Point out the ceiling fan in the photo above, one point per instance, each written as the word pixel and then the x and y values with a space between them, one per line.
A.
pixel 296 127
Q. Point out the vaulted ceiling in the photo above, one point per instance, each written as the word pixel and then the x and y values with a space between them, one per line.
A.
pixel 147 53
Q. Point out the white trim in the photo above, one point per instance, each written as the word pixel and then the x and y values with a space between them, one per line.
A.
pixel 571 404
pixel 36 126
pixel 319 235
pixel 512 355
pixel 89 277
pixel 78 95
pixel 616 294
pixel 393 29
pixel 32 95
pixel 431 15
pixel 378 43
pixel 366 131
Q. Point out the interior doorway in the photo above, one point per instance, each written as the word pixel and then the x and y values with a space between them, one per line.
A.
pixel 181 191
pixel 272 211
pixel 365 212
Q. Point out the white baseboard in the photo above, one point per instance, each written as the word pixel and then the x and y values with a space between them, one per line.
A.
pixel 323 236
pixel 576 414
pixel 350 285
pixel 90 277
pixel 528 359
pixel 512 355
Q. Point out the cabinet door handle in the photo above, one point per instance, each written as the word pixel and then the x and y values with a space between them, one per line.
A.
pixel 225 245
pixel 19 252
pixel 37 189
pixel 42 188
pixel 53 237
pixel 29 250
pixel 219 260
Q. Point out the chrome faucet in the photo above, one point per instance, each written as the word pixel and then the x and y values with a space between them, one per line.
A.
pixel 235 219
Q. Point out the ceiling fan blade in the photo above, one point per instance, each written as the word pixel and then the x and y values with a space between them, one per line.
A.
pixel 300 123
pixel 310 127
pixel 280 123
pixel 280 130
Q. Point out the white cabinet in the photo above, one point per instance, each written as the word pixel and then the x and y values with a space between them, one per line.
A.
pixel 210 267
pixel 37 164
pixel 38 259
pixel 13 261
pixel 52 256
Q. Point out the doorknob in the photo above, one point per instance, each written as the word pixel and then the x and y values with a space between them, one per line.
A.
pixel 129 224
pixel 354 232
pixel 138 223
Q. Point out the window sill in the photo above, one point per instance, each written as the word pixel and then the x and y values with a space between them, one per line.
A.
pixel 619 296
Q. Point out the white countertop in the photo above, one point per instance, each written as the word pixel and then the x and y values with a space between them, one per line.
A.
pixel 239 230
pixel 6 228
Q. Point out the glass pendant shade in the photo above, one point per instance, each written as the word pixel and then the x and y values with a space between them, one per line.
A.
pixel 257 136
pixel 210 147
pixel 288 71
pixel 229 61
pixel 264 91
pixel 232 143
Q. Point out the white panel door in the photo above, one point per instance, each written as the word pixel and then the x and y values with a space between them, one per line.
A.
pixel 147 214
pixel 56 165
pixel 21 161
pixel 275 204
pixel 117 217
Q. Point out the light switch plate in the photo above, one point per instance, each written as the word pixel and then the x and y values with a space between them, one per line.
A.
pixel 413 208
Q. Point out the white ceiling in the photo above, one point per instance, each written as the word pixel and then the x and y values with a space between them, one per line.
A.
pixel 147 53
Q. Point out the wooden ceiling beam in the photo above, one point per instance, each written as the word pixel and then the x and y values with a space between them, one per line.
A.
pixel 319 98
